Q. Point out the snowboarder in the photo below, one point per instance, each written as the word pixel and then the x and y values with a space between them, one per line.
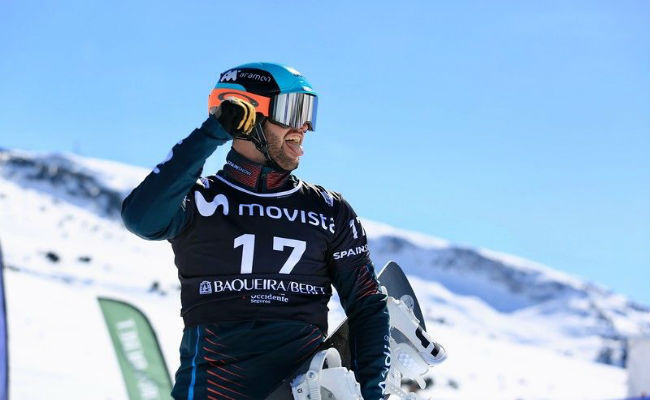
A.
pixel 258 249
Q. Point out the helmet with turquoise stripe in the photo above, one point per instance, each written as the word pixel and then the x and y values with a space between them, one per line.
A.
pixel 278 92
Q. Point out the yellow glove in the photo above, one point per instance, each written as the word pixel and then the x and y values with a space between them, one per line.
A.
pixel 236 116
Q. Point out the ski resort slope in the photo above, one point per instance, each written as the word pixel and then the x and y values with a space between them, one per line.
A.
pixel 496 365
pixel 513 329
pixel 60 346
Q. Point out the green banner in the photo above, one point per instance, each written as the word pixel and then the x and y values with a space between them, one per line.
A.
pixel 138 353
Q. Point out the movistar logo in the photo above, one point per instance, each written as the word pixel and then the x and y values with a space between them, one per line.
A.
pixel 292 215
pixel 206 208
pixel 229 75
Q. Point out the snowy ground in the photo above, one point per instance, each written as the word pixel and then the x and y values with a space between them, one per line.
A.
pixel 59 344
pixel 60 257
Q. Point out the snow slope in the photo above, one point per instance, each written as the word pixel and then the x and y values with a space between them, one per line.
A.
pixel 514 329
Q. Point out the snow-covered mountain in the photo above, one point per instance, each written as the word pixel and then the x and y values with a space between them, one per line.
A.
pixel 573 312
pixel 513 328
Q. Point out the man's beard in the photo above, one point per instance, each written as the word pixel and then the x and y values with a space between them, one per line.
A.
pixel 278 155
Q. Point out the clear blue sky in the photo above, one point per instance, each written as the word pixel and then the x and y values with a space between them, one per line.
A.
pixel 521 127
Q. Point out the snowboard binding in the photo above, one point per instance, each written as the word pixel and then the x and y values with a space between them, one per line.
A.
pixel 412 350
pixel 332 383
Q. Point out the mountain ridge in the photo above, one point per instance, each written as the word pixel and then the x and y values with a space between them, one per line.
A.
pixel 513 287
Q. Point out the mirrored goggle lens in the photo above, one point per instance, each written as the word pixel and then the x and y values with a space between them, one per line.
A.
pixel 295 109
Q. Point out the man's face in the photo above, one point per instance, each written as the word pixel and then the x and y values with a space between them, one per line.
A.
pixel 285 144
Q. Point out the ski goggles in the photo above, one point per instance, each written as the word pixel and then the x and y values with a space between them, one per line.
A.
pixel 291 110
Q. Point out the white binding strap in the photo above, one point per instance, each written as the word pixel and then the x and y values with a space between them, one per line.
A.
pixel 335 379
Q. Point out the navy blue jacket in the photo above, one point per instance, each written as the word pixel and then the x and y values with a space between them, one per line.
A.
pixel 253 244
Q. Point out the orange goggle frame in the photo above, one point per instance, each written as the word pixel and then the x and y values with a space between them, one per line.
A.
pixel 261 103
pixel 286 109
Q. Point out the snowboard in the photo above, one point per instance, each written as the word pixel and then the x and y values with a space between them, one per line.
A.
pixel 397 285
